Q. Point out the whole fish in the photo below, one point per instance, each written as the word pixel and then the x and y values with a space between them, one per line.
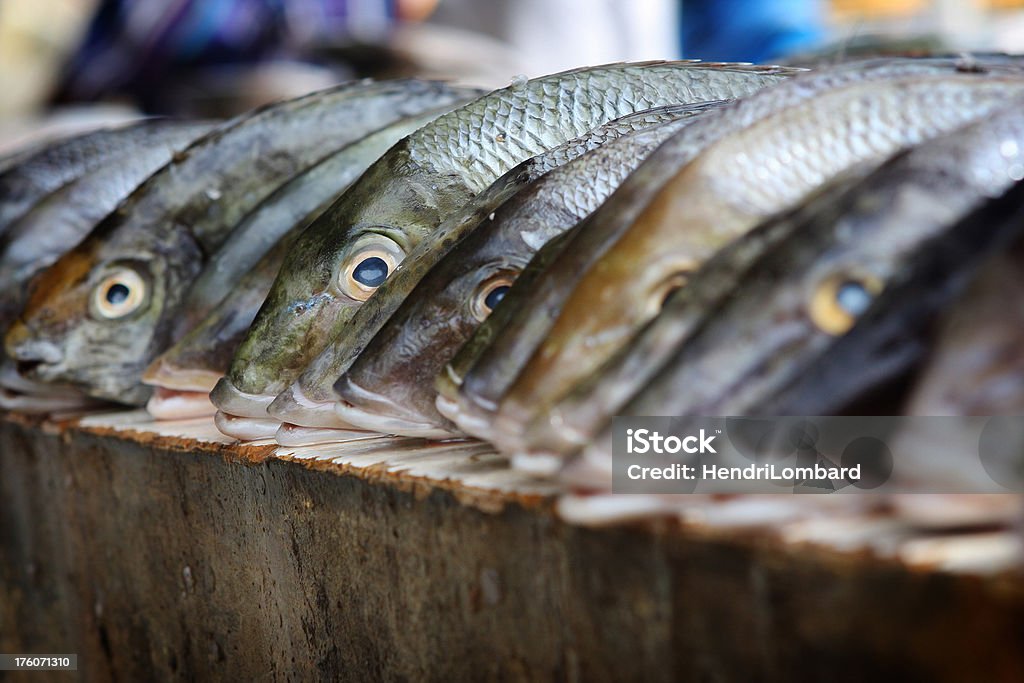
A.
pixel 60 220
pixel 360 241
pixel 390 386
pixel 101 314
pixel 490 363
pixel 311 400
pixel 212 325
pixel 57 164
pixel 842 307
pixel 976 365
pixel 733 185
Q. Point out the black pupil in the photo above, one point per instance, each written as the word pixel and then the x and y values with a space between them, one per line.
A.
pixel 853 297
pixel 371 272
pixel 117 294
pixel 495 296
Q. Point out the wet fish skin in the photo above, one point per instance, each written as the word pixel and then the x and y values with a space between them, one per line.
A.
pixel 429 176
pixel 976 362
pixel 55 164
pixel 311 400
pixel 212 325
pixel 198 197
pixel 399 365
pixel 61 219
pixel 917 228
pixel 299 201
pixel 576 418
pixel 713 200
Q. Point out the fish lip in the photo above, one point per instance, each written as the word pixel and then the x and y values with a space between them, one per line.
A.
pixel 235 402
pixel 470 422
pixel 370 410
pixel 169 404
pixel 38 351
pixel 537 464
pixel 293 436
pixel 42 404
pixel 245 428
pixel 162 374
pixel 294 407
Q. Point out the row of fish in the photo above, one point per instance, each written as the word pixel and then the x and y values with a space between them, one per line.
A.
pixel 431 261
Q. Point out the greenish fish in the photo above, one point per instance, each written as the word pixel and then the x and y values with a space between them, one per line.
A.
pixel 311 400
pixel 353 248
pixel 103 312
pixel 734 184
pixel 390 386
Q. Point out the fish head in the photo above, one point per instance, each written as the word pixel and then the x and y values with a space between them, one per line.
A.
pixel 391 383
pixel 100 314
pixel 331 270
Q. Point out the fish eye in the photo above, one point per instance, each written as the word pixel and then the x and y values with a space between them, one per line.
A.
pixel 489 294
pixel 661 294
pixel 369 266
pixel 839 300
pixel 119 294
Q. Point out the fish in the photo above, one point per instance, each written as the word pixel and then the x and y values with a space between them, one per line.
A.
pixel 732 186
pixel 29 179
pixel 840 310
pixel 60 220
pixel 100 314
pixel 354 246
pixel 390 385
pixel 471 387
pixel 311 400
pixel 975 362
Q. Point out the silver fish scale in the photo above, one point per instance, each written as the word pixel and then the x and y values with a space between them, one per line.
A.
pixel 486 138
pixel 805 146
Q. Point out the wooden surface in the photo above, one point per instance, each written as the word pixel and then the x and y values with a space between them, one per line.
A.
pixel 157 557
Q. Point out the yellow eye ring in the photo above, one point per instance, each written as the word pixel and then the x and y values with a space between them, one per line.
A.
pixel 489 294
pixel 119 294
pixel 840 299
pixel 369 267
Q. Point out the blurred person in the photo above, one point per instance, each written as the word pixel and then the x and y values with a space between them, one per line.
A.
pixel 555 35
pixel 161 52
pixel 750 30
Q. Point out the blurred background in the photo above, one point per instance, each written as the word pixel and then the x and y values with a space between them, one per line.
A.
pixel 70 64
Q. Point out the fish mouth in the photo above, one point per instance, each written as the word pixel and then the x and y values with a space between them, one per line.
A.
pixel 245 428
pixel 472 421
pixel 22 394
pixel 233 401
pixel 291 435
pixel 537 464
pixel 293 406
pixel 370 410
pixel 163 374
pixel 170 404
